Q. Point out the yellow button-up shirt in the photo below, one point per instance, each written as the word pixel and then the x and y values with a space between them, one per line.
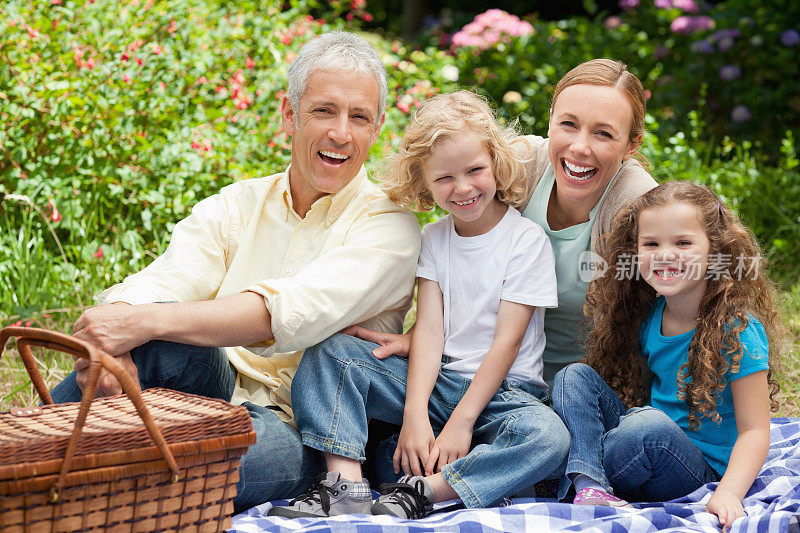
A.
pixel 350 260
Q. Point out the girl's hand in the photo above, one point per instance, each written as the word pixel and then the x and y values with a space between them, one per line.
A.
pixel 452 443
pixel 413 445
pixel 390 343
pixel 726 506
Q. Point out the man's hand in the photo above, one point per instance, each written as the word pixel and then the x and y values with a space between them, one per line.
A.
pixel 390 343
pixel 107 384
pixel 113 329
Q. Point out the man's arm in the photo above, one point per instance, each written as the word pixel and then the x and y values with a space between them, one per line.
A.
pixel 239 319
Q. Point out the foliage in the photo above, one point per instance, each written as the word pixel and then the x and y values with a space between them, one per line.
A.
pixel 119 117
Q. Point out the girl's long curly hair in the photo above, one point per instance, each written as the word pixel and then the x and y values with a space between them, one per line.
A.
pixel 736 287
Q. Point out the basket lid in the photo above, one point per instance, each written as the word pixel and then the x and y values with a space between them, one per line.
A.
pixel 113 424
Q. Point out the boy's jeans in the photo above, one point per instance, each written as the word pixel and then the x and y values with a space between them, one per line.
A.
pixel 339 384
pixel 640 452
pixel 276 466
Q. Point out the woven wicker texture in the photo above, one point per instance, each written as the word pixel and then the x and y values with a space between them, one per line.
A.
pixel 166 461
pixel 113 425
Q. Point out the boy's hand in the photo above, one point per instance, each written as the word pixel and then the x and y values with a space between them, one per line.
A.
pixel 413 445
pixel 726 506
pixel 452 443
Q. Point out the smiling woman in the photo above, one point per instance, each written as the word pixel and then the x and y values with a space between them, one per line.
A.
pixel 580 177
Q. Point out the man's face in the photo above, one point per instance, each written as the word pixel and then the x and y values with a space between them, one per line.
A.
pixel 336 122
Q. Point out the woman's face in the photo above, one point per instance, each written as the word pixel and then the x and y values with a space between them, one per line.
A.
pixel 589 135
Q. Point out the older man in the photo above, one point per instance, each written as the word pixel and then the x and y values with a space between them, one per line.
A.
pixel 276 264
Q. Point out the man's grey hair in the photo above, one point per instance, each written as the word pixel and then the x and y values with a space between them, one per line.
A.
pixel 332 51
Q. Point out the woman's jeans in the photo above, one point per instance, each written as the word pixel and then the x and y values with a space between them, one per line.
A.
pixel 276 466
pixel 339 384
pixel 640 453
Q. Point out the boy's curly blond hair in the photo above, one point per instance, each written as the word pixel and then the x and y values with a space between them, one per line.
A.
pixel 440 118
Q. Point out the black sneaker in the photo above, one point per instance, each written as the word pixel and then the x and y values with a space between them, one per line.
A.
pixel 411 497
pixel 329 495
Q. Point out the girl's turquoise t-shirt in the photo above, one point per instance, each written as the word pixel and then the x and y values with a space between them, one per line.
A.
pixel 565 327
pixel 666 355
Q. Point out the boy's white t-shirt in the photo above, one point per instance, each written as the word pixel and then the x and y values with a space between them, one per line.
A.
pixel 513 262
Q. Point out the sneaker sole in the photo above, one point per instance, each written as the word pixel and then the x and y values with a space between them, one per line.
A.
pixel 289 513
pixel 380 509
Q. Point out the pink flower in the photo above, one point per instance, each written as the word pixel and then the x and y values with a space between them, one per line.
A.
pixel 124 56
pixel 99 253
pixel 162 85
pixel 195 145
pixel 404 107
pixel 248 63
pixel 239 77
pixel 647 94
pixel 367 17
pixel 126 78
pixel 55 2
pixel 286 39
pixel 612 22
pixel 682 25
pixel 689 6
pixel 172 27
pixel 206 145
pixel 28 323
pixel 628 5
pixel 52 211
pixel 157 49
pixel 202 80
pixel 139 61
pixel 90 63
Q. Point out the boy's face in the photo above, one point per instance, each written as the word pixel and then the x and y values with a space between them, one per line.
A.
pixel 461 180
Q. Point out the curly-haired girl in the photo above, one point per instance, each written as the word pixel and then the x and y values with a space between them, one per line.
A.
pixel 683 325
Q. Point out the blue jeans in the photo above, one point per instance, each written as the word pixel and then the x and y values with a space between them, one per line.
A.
pixel 339 384
pixel 276 466
pixel 640 453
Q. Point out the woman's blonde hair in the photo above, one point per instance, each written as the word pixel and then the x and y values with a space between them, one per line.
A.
pixel 610 73
pixel 617 305
pixel 440 118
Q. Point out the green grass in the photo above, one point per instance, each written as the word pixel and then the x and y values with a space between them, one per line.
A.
pixel 16 389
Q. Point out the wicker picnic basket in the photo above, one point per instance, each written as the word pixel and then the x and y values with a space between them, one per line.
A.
pixel 141 461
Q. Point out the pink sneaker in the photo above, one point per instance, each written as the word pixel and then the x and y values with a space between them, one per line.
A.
pixel 599 497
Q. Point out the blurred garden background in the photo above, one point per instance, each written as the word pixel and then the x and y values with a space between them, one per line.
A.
pixel 119 115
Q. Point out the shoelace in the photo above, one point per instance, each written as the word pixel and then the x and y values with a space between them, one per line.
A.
pixel 318 492
pixel 410 498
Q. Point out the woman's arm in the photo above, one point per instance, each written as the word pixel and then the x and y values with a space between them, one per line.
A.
pixel 454 440
pixel 427 343
pixel 751 406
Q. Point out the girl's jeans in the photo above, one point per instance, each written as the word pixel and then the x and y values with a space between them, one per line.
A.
pixel 640 453
pixel 276 466
pixel 339 384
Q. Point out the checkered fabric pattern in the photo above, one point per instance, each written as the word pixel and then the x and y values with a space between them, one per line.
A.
pixel 772 504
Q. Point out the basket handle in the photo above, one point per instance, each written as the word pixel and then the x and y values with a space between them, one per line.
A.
pixel 98 359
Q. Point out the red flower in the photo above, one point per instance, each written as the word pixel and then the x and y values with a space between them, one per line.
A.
pixel 126 78
pixel 139 61
pixel 162 85
pixel 248 63
pixel 202 80
pixel 124 56
pixel 99 253
pixel 172 27
pixel 195 145
pixel 90 63
pixel 367 17
pixel 286 39
pixel 157 49
pixel 55 2
pixel 28 323
pixel 55 216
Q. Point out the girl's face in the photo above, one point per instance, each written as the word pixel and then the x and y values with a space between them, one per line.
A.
pixel 589 136
pixel 673 250
pixel 460 177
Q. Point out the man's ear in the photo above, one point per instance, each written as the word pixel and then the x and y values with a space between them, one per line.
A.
pixel 632 147
pixel 287 116
pixel 378 129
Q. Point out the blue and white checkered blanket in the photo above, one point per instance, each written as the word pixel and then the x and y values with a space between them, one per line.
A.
pixel 772 504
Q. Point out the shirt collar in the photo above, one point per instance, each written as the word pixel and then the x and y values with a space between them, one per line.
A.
pixel 336 202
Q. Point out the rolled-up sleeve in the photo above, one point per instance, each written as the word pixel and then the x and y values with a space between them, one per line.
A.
pixel 193 265
pixel 371 272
